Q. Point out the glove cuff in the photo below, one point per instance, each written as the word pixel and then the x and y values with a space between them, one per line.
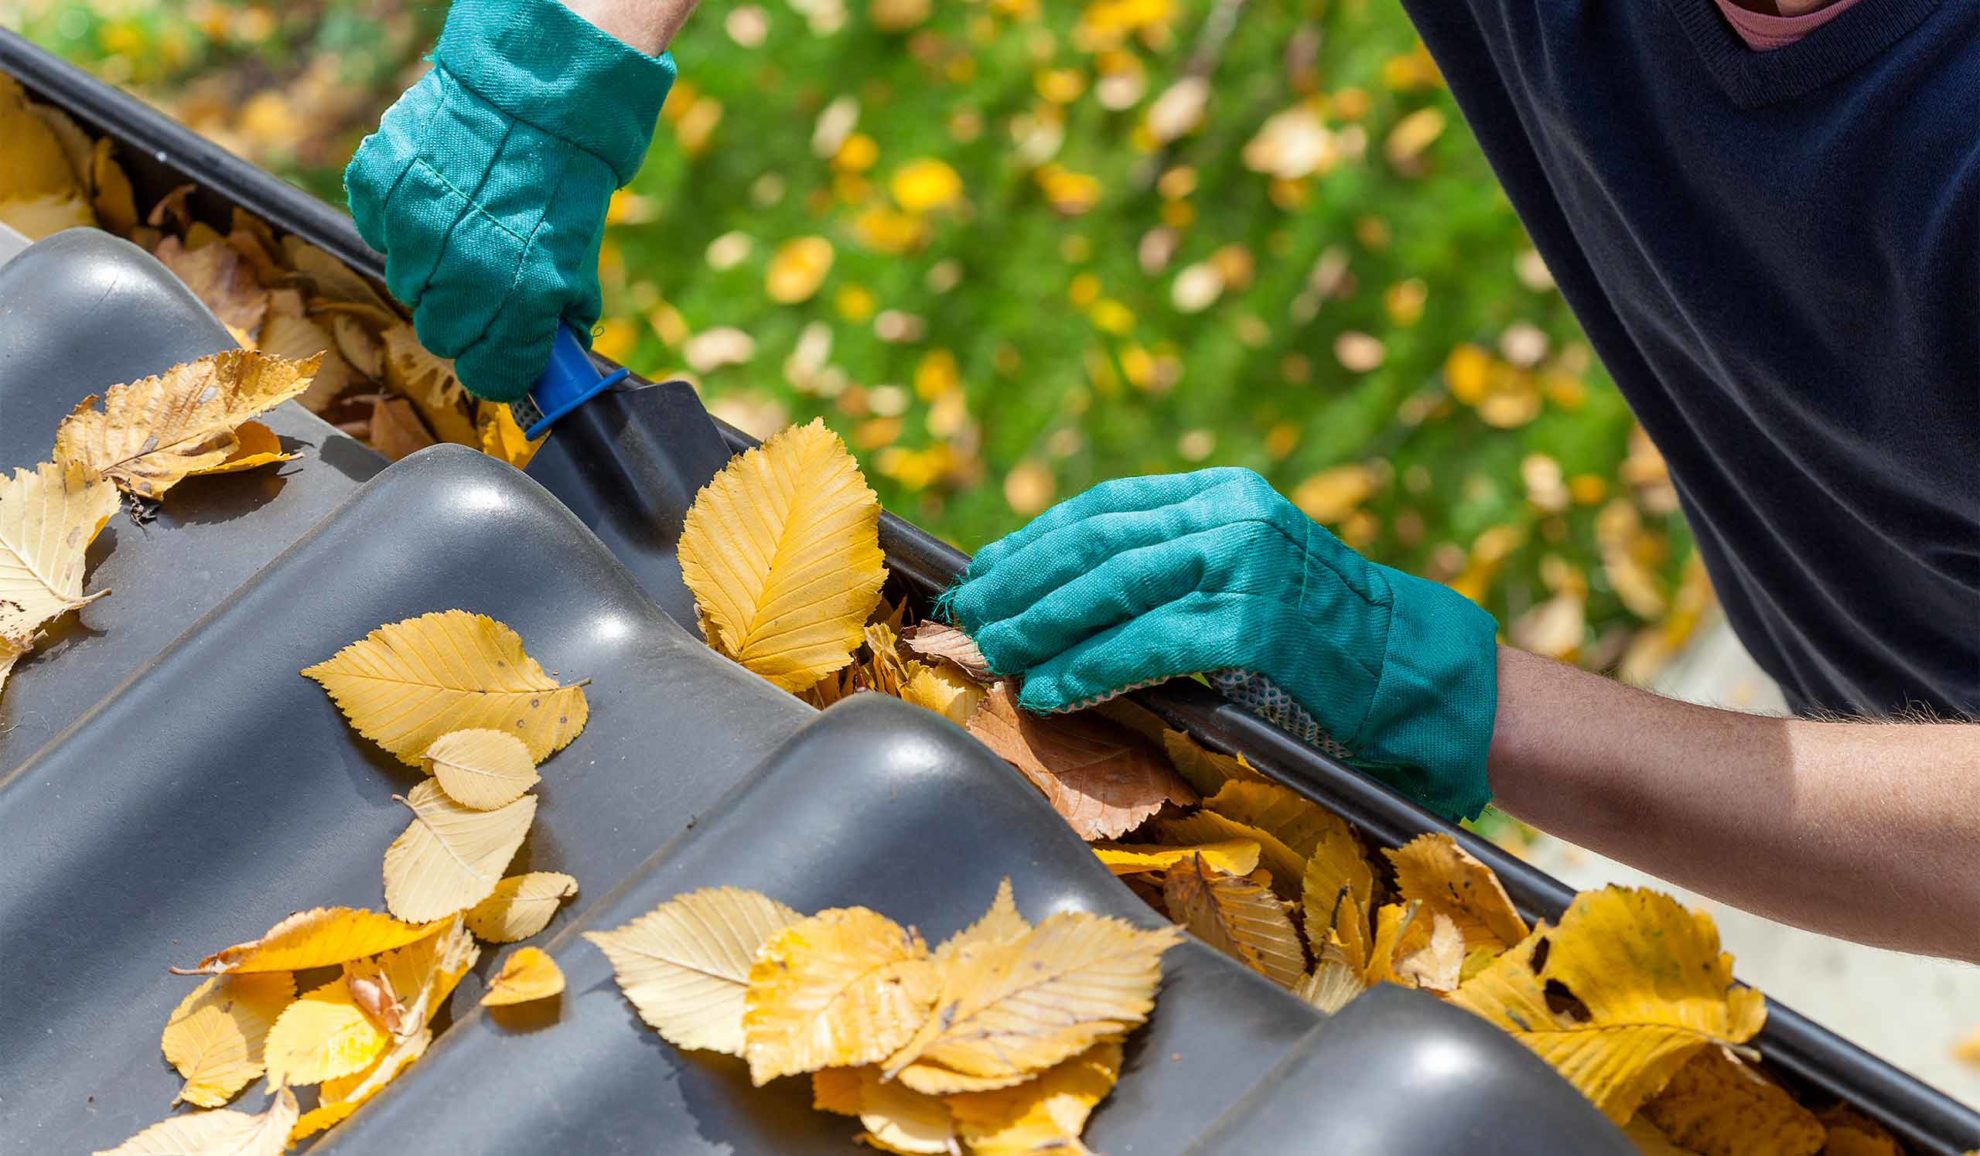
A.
pixel 545 65
pixel 1434 707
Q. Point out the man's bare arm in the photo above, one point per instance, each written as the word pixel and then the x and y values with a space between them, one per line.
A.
pixel 1866 830
pixel 648 25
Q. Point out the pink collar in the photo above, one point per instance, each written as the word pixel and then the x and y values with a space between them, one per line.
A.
pixel 1763 33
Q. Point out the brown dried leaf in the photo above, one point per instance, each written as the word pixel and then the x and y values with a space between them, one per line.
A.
pixel 1102 778
pixel 937 642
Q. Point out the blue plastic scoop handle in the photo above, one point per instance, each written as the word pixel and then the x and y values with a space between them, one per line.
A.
pixel 569 382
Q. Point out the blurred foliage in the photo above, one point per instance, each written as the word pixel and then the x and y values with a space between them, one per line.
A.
pixel 1010 249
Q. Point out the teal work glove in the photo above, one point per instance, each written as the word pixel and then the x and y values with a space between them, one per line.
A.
pixel 486 185
pixel 1144 579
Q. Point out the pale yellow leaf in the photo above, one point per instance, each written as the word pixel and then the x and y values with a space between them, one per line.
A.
pixel 48 517
pixel 319 937
pixel 1617 998
pixel 528 974
pixel 1451 882
pixel 222 1133
pixel 520 906
pixel 1101 777
pixel 1718 1105
pixel 1237 917
pixel 999 924
pixel 782 552
pixel 321 1035
pixel 685 964
pixel 1437 964
pixel 842 988
pixel 896 1118
pixel 214 1037
pixel 407 683
pixel 944 691
pixel 155 432
pixel 1333 981
pixel 1044 1114
pixel 480 768
pixel 1008 1009
pixel 1235 856
pixel 450 857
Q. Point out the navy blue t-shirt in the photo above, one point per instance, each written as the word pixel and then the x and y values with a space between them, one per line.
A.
pixel 1777 256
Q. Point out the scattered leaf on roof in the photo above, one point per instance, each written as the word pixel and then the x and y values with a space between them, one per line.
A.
pixel 451 856
pixel 319 937
pixel 842 988
pixel 219 1133
pixel 214 1037
pixel 48 517
pixel 520 906
pixel 529 974
pixel 325 1033
pixel 157 431
pixel 406 684
pixel 1044 1114
pixel 480 768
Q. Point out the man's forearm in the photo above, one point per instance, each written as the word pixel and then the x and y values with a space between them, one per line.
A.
pixel 648 25
pixel 1865 830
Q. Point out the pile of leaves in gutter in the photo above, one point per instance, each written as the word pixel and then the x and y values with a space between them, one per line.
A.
pixel 1629 996
pixel 279 295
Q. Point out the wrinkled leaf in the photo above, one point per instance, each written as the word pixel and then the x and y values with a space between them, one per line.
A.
pixel 940 642
pixel 1101 777
pixel 1717 1105
pixel 1239 918
pixel 407 683
pixel 843 988
pixel 1449 881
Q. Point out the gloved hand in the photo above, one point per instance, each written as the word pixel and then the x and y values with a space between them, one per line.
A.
pixel 1143 579
pixel 486 185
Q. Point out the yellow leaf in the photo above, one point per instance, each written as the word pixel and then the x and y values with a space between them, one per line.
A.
pixel 1333 981
pixel 40 190
pixel 1011 1008
pixel 287 332
pixel 418 978
pixel 255 445
pixel 1283 863
pixel 1617 998
pixel 896 1118
pixel 527 975
pixel 214 1037
pixel 1102 778
pixel 480 768
pixel 395 430
pixel 944 691
pixel 1046 1114
pixel 926 184
pixel 451 857
pixel 1437 964
pixel 782 552
pixel 430 384
pixel 1000 924
pixel 344 1095
pixel 685 964
pixel 1449 881
pixel 1851 1133
pixel 886 672
pixel 222 1133
pixel 319 937
pixel 222 281
pixel 111 194
pixel 797 269
pixel 1238 918
pixel 407 683
pixel 520 906
pixel 845 987
pixel 1205 769
pixel 1717 1105
pixel 1309 830
pixel 1397 932
pixel 502 438
pixel 48 517
pixel 155 432
pixel 321 1035
pixel 1336 900
pixel 1234 856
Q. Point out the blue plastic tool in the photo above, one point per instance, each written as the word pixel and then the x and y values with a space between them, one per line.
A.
pixel 569 382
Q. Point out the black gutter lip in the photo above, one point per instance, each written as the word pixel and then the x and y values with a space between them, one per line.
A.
pixel 155 146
